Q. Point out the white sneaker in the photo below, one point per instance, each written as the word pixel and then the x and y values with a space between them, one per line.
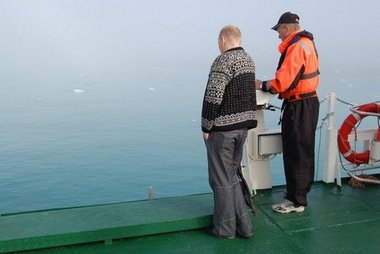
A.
pixel 287 206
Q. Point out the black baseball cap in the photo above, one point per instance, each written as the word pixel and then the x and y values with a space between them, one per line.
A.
pixel 287 18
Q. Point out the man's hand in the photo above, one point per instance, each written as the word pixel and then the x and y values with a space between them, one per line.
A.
pixel 205 135
pixel 259 84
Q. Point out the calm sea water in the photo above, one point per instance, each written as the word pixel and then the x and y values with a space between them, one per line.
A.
pixel 101 99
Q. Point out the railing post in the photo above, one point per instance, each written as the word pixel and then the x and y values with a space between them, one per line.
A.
pixel 331 167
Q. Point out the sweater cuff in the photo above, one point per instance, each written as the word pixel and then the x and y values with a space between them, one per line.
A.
pixel 205 130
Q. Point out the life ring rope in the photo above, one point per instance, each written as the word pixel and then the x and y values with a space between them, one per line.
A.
pixel 351 123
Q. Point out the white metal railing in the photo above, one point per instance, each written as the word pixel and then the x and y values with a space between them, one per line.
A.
pixel 263 144
pixel 368 137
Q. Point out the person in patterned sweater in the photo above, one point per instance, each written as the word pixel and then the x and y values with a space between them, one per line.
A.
pixel 228 112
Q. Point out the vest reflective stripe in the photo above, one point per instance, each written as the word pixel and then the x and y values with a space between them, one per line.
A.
pixel 305 47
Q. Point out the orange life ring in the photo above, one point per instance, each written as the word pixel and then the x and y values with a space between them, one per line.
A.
pixel 346 128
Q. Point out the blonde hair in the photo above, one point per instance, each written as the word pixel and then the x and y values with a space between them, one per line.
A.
pixel 231 33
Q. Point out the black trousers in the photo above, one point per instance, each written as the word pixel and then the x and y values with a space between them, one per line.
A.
pixel 299 123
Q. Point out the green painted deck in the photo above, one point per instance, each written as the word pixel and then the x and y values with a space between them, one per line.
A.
pixel 337 220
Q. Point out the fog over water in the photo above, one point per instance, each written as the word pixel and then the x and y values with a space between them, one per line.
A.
pixel 101 99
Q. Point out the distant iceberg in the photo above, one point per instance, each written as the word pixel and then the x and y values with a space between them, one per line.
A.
pixel 78 91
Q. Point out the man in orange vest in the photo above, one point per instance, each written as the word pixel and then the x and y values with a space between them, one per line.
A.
pixel 296 81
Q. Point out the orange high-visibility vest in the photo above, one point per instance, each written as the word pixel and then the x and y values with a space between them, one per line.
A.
pixel 297 74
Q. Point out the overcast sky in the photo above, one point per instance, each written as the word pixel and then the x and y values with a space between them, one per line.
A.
pixel 91 40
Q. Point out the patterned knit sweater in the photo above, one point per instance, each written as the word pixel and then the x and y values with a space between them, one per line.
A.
pixel 230 98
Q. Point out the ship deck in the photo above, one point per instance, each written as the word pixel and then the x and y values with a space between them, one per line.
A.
pixel 337 220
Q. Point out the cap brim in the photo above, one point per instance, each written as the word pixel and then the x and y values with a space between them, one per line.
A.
pixel 276 27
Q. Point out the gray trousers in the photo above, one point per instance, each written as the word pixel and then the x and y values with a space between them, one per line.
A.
pixel 224 154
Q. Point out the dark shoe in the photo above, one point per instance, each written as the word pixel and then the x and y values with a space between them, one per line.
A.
pixel 210 231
